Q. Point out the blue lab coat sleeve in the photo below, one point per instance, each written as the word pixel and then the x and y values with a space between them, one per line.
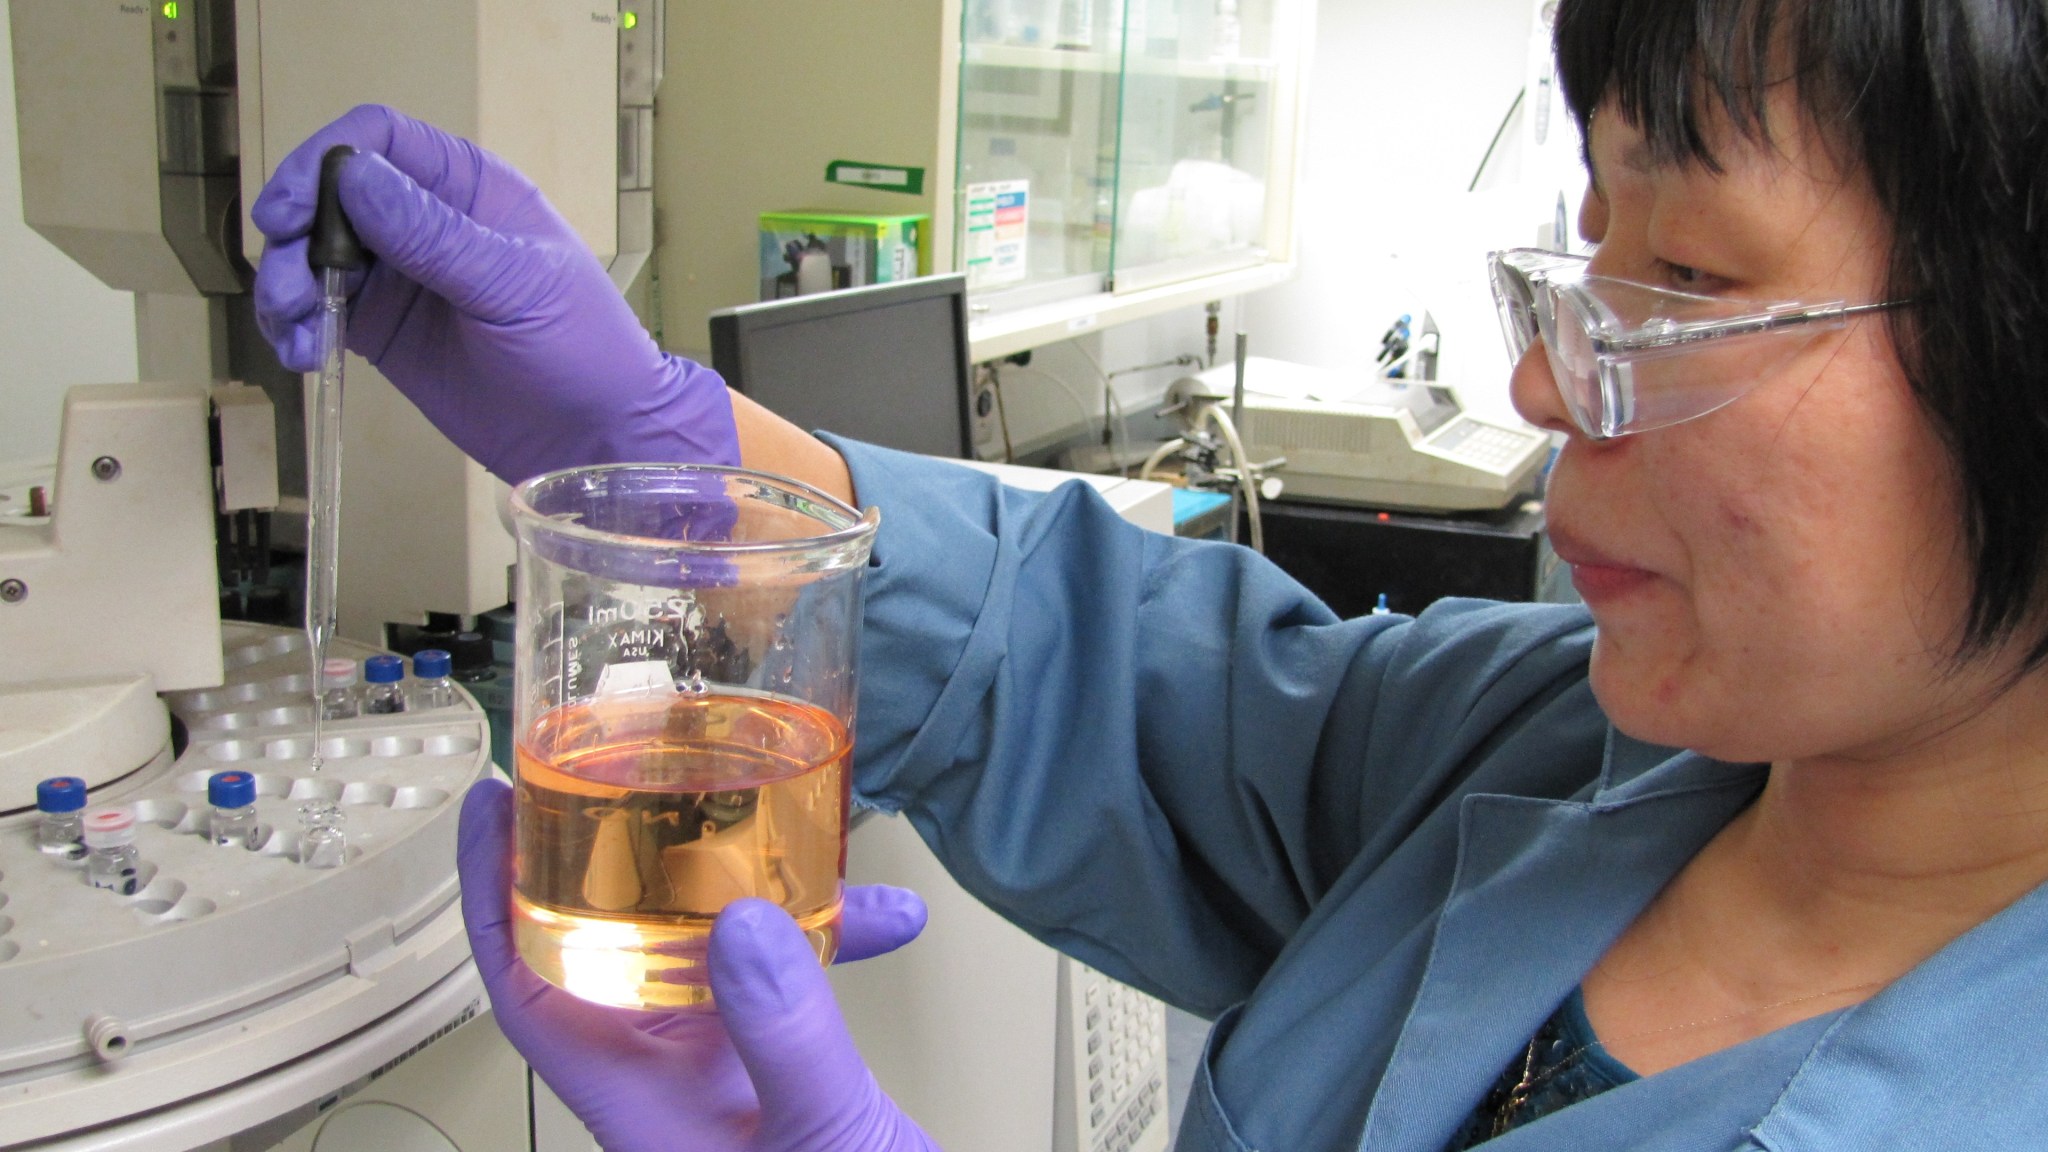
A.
pixel 1156 754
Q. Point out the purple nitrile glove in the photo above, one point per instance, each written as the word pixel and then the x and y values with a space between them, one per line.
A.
pixel 774 1070
pixel 483 307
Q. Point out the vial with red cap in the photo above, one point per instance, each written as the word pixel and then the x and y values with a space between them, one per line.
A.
pixel 111 859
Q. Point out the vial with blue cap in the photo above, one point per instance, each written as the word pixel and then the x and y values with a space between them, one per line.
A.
pixel 232 821
pixel 432 687
pixel 61 802
pixel 385 694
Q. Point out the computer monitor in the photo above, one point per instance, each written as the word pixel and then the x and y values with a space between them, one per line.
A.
pixel 886 364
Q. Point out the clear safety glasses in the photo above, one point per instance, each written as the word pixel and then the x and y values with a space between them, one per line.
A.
pixel 1630 357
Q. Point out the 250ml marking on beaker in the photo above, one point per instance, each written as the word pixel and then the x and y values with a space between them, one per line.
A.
pixel 620 608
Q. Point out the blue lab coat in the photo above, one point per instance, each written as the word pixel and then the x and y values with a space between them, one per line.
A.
pixel 1379 851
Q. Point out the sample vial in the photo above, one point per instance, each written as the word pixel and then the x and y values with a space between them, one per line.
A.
pixel 474 658
pixel 322 843
pixel 338 690
pixel 61 800
pixel 384 693
pixel 431 687
pixel 111 861
pixel 233 819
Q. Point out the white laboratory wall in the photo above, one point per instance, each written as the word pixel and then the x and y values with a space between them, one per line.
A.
pixel 1060 392
pixel 1404 96
pixel 58 325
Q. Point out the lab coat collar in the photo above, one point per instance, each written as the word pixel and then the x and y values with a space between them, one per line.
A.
pixel 1633 770
pixel 1526 867
pixel 1965 1030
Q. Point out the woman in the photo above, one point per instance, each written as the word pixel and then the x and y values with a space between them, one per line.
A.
pixel 1751 859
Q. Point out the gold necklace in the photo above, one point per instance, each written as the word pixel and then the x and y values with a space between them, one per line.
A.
pixel 1530 1080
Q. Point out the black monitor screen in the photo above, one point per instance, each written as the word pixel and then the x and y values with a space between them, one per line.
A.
pixel 886 364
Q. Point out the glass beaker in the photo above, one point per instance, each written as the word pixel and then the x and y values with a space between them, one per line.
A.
pixel 685 680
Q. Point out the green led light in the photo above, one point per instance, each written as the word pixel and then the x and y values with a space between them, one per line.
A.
pixel 171 10
pixel 629 20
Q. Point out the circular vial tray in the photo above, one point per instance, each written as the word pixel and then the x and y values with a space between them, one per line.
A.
pixel 226 961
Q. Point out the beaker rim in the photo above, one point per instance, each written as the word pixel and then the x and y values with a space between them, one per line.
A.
pixel 853 528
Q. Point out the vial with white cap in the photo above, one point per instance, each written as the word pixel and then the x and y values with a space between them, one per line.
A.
pixel 384 694
pixel 111 860
pixel 432 688
pixel 338 690
pixel 232 822
pixel 61 802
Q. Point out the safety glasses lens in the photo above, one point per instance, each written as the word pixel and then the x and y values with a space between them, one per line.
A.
pixel 1513 299
pixel 1630 357
pixel 1575 362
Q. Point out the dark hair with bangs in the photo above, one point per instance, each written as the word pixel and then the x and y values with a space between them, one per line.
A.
pixel 1943 106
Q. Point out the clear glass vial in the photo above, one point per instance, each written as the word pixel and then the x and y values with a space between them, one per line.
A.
pixel 61 802
pixel 338 690
pixel 111 860
pixel 322 842
pixel 431 686
pixel 232 820
pixel 384 691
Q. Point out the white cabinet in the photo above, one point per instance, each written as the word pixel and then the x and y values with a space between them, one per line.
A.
pixel 1085 162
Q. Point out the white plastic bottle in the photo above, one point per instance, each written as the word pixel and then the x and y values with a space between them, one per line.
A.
pixel 1229 32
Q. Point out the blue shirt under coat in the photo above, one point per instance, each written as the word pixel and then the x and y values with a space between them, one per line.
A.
pixel 1378 851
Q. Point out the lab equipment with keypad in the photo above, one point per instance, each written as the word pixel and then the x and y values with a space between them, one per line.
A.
pixel 1363 439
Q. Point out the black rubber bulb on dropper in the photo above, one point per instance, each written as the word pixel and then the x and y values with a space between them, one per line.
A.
pixel 333 243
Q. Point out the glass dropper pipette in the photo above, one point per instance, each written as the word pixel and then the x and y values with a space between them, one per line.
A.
pixel 333 251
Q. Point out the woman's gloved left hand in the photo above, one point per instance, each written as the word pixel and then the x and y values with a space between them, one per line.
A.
pixel 773 1071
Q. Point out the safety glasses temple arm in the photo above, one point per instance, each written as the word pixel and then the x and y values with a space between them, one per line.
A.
pixel 1679 335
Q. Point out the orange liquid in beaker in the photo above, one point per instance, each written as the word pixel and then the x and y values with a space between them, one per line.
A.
pixel 652 813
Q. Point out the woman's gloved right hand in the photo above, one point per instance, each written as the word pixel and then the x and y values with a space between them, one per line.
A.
pixel 483 306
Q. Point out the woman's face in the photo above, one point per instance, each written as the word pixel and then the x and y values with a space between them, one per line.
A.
pixel 1784 577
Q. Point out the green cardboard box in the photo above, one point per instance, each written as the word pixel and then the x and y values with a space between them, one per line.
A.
pixel 807 252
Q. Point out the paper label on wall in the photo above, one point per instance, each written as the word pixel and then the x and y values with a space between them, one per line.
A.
pixel 887 177
pixel 998 226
